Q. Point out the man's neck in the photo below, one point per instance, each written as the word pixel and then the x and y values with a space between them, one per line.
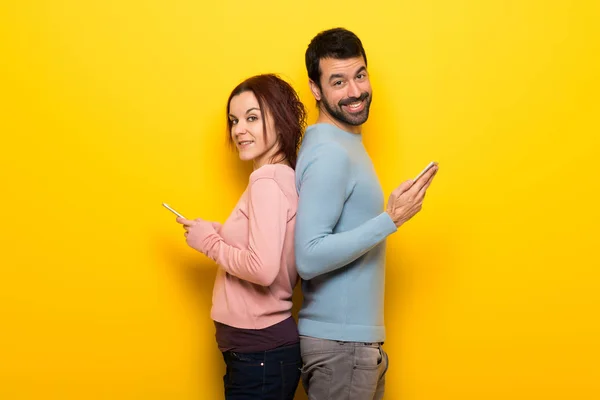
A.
pixel 326 118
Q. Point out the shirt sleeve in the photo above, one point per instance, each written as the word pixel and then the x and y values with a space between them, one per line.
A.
pixel 324 184
pixel 260 262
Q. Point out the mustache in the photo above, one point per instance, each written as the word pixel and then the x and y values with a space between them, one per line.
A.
pixel 351 100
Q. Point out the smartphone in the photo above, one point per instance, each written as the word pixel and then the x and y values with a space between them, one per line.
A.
pixel 173 211
pixel 431 164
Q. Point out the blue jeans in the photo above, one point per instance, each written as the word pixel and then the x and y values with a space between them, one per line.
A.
pixel 266 375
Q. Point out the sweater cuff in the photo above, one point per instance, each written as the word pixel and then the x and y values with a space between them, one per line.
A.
pixel 208 237
pixel 386 224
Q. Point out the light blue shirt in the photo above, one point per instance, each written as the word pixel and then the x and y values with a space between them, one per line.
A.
pixel 340 238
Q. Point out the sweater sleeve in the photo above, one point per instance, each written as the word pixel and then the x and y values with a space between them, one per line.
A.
pixel 260 262
pixel 324 184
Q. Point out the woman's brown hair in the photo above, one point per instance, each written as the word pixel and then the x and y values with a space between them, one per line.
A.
pixel 280 100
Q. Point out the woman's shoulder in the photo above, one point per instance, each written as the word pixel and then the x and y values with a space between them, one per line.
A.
pixel 278 172
pixel 283 175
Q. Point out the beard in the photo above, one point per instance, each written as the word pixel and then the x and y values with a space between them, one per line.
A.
pixel 354 119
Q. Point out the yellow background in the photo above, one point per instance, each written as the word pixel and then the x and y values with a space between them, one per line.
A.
pixel 110 108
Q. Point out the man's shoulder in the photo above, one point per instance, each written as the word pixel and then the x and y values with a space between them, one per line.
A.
pixel 322 151
pixel 321 133
pixel 321 137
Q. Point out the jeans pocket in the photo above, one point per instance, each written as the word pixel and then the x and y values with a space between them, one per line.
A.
pixel 366 371
pixel 243 358
pixel 243 373
pixel 367 358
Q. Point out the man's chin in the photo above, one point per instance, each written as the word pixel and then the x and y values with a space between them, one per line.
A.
pixel 356 119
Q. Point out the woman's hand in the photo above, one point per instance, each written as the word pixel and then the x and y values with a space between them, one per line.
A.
pixel 197 230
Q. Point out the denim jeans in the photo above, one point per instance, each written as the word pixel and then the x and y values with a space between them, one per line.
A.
pixel 265 375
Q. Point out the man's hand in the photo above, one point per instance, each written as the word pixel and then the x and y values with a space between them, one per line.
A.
pixel 407 199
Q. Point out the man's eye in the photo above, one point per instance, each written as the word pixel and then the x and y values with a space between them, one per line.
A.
pixel 337 83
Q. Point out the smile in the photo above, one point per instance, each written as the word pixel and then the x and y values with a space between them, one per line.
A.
pixel 245 143
pixel 355 107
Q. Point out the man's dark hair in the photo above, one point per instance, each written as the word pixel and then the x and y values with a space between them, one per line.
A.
pixel 336 43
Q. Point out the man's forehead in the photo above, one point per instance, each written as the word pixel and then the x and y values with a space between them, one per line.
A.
pixel 331 66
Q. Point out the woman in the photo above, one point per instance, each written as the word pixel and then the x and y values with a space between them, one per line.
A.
pixel 252 295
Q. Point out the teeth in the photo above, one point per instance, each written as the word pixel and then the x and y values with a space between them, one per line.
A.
pixel 354 105
pixel 246 142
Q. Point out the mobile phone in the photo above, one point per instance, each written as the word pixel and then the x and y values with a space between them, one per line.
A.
pixel 173 211
pixel 431 164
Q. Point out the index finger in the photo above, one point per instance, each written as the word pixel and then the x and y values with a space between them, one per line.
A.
pixel 184 221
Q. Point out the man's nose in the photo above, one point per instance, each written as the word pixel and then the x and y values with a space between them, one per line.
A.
pixel 353 90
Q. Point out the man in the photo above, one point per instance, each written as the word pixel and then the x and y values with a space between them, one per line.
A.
pixel 341 229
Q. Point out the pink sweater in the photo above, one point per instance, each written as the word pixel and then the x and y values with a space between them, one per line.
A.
pixel 255 251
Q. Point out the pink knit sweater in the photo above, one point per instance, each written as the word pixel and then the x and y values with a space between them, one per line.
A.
pixel 255 252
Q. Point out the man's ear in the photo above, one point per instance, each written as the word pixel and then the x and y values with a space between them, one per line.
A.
pixel 314 88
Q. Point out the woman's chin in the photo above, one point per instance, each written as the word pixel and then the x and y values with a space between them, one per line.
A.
pixel 246 157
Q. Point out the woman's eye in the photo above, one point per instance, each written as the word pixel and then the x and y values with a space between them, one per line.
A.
pixel 252 118
pixel 233 121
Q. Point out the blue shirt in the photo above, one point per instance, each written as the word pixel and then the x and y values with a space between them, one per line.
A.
pixel 340 238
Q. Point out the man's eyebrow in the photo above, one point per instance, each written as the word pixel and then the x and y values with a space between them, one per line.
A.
pixel 337 76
